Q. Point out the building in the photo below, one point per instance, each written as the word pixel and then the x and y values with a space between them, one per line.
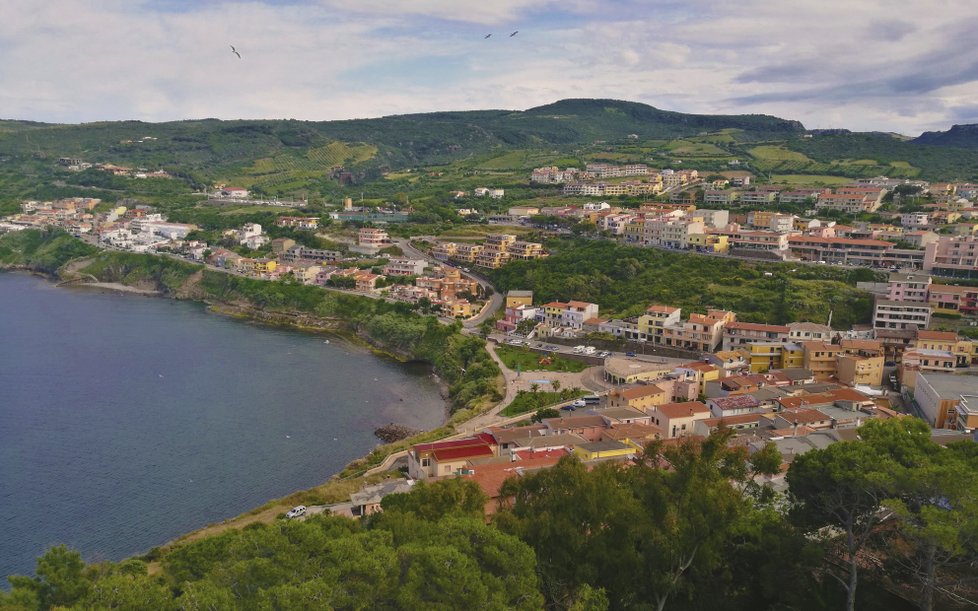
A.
pixel 405 267
pixel 947 401
pixel 738 334
pixel 889 314
pixel 298 222
pixel 373 238
pixel 517 298
pixel 639 397
pixel 679 419
pixel 809 331
pixel 952 256
pixel 447 457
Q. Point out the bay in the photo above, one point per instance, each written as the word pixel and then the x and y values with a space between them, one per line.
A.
pixel 126 421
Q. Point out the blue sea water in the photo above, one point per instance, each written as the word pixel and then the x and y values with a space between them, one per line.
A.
pixel 126 421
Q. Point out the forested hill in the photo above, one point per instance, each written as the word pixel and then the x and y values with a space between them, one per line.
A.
pixel 305 158
pixel 402 139
pixel 960 136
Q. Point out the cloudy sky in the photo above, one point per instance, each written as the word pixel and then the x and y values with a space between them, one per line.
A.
pixel 890 65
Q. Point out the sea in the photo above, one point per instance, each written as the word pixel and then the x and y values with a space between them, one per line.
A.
pixel 127 421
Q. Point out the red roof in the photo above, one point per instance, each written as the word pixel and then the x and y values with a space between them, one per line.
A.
pixel 455 443
pixel 803 239
pixel 680 410
pixel 457 453
pixel 754 326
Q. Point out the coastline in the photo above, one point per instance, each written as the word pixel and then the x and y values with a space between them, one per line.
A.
pixel 356 473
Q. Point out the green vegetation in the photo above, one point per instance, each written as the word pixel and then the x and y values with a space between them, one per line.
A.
pixel 41 251
pixel 430 549
pixel 527 360
pixel 624 280
pixel 686 527
pixel 534 400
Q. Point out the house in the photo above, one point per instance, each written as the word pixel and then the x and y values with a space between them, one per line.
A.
pixel 516 298
pixel 372 237
pixel 801 416
pixel 678 419
pixel 367 281
pixel 809 331
pixel 622 415
pixel 737 334
pixel 638 397
pixel 733 405
pixel 595 450
pixel 634 434
pixel 367 500
pixel 447 457
pixel 405 267
pixel 590 427
pixel 298 222
pixel 457 308
pixel 742 422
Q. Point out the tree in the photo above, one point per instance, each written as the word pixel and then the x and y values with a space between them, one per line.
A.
pixel 642 534
pixel 534 387
pixel 842 486
pixel 544 413
pixel 433 501
pixel 555 385
pixel 61 580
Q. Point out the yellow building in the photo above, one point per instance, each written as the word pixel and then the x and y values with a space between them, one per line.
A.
pixel 514 299
pixel 265 266
pixel 460 308
pixel 820 358
pixel 604 449
pixel 764 356
pixel 854 370
pixel 639 397
pixel 710 242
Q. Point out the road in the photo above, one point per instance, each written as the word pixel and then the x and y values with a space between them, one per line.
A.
pixel 492 305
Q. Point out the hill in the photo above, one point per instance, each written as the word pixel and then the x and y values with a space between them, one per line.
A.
pixel 456 150
pixel 959 136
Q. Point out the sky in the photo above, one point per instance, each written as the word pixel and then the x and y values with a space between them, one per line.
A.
pixel 902 66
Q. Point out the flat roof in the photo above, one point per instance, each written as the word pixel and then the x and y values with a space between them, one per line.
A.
pixel 949 385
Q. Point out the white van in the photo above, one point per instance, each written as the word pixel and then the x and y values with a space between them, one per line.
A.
pixel 295 512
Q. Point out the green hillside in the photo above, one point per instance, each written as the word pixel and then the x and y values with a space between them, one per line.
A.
pixel 452 150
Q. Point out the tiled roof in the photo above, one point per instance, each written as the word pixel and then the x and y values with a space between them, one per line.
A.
pixel 679 410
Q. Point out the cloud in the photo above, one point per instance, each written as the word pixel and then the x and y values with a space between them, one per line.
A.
pixel 893 65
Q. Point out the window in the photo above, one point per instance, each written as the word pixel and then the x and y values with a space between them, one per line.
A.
pixel 425 462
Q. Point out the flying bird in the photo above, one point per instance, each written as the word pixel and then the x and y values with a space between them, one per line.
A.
pixel 235 51
pixel 514 33
pixel 486 36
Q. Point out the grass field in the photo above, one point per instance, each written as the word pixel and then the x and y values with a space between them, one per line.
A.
pixel 777 153
pixel 695 149
pixel 478 232
pixel 809 180
pixel 527 360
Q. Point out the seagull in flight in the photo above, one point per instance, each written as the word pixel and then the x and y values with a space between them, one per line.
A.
pixel 514 33
pixel 486 36
pixel 235 51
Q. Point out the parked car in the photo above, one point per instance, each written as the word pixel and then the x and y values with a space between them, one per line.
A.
pixel 629 354
pixel 604 354
pixel 295 512
pixel 579 403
